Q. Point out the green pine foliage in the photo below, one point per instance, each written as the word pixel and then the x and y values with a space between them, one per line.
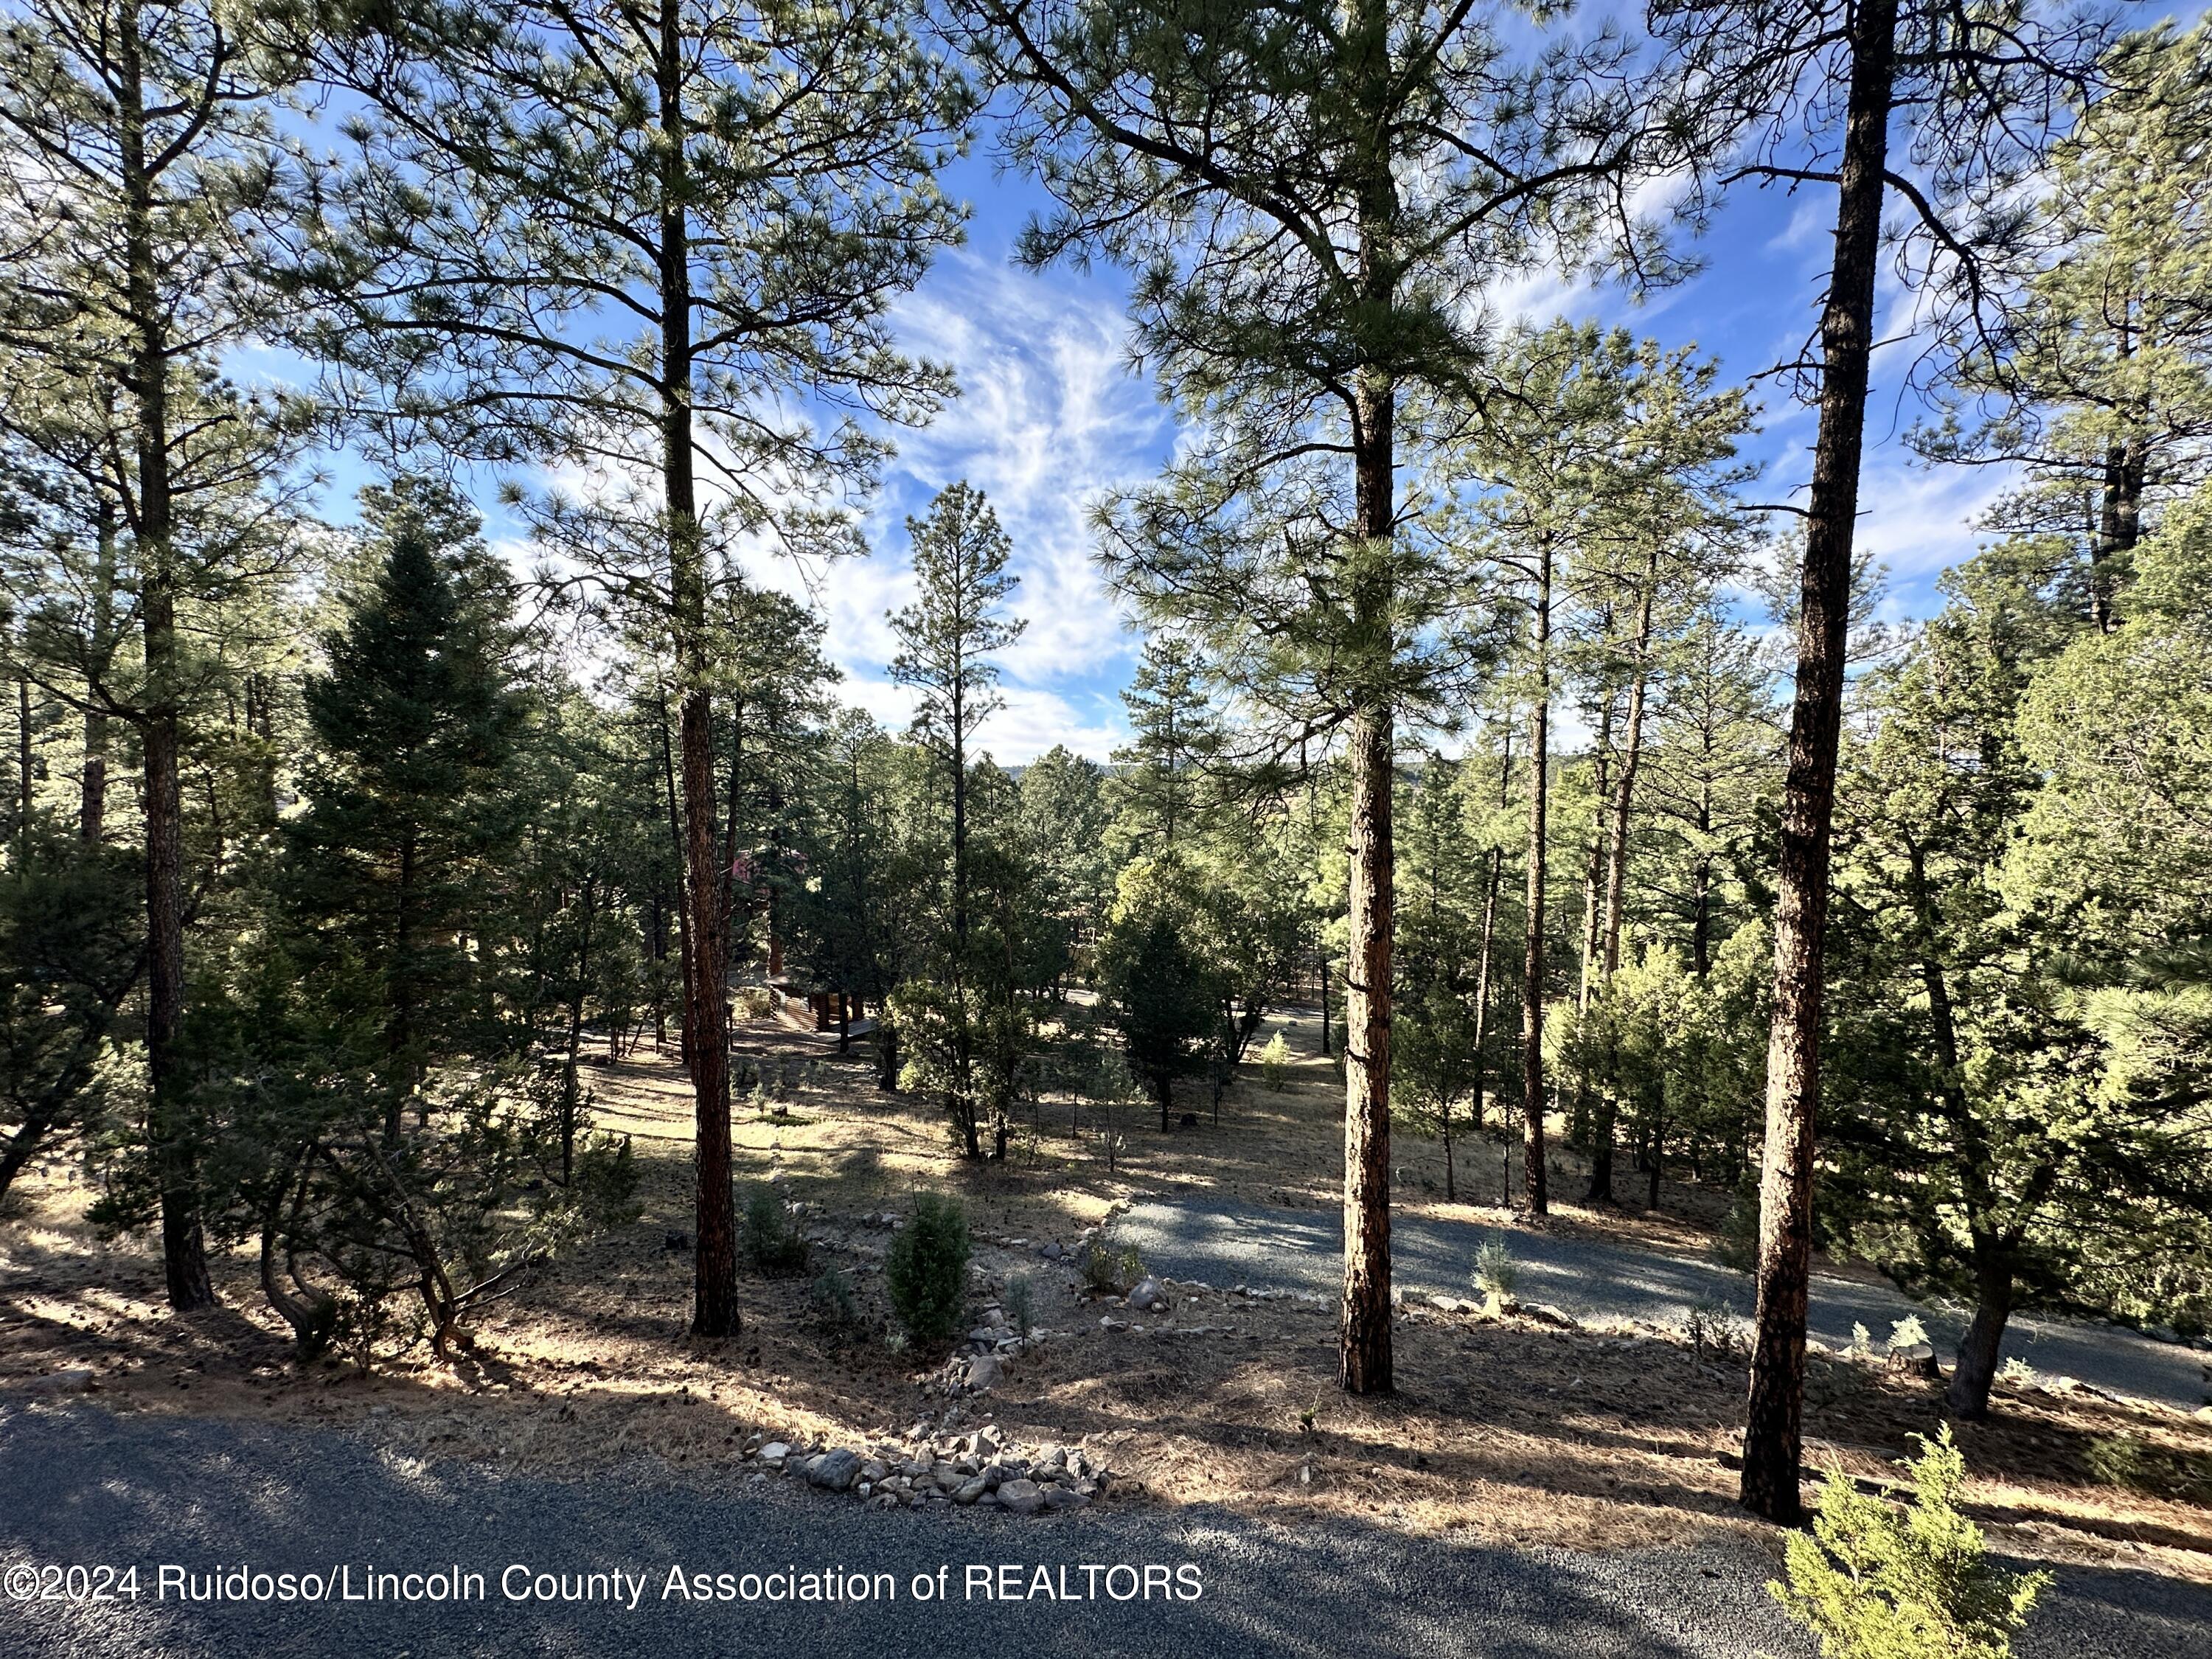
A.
pixel 405 851
pixel 774 1242
pixel 1165 996
pixel 926 1269
pixel 1873 1582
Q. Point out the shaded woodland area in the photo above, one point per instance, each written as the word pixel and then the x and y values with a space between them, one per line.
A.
pixel 1491 707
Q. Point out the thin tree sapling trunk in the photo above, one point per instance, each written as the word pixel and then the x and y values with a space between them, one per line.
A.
pixel 1536 1184
pixel 1616 891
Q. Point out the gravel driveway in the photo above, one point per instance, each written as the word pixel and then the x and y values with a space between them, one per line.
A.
pixel 1224 1242
pixel 80 1484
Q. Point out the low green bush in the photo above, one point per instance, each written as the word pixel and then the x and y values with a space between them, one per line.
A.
pixel 1021 1306
pixel 772 1241
pixel 1495 1272
pixel 926 1270
pixel 1877 1581
pixel 834 1301
pixel 1107 1271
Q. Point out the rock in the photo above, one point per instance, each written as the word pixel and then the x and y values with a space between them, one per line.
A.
pixel 1022 1497
pixel 1050 1252
pixel 984 1371
pixel 1546 1313
pixel 1111 1323
pixel 874 1472
pixel 1063 1497
pixel 985 1442
pixel 834 1470
pixel 775 1452
pixel 75 1379
pixel 969 1491
pixel 1148 1295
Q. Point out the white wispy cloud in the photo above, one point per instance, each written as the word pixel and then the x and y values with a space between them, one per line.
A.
pixel 1919 520
pixel 1048 420
pixel 1029 722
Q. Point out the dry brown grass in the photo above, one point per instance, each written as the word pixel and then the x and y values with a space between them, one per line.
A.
pixel 1507 1429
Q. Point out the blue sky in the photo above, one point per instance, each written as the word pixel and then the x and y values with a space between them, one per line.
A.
pixel 1050 417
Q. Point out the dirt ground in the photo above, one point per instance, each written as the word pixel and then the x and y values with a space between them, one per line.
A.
pixel 1510 1429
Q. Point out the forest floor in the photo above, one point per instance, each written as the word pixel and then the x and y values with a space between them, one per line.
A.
pixel 1516 1430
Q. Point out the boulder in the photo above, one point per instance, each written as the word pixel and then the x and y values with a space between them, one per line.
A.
pixel 984 1371
pixel 834 1470
pixel 1021 1497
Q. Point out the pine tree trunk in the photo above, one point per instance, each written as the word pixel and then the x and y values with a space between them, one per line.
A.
pixel 715 1288
pixel 1490 895
pixel 21 1145
pixel 569 1091
pixel 1968 1396
pixel 1486 955
pixel 1773 1435
pixel 681 848
pixel 399 1029
pixel 1451 1192
pixel 1364 1350
pixel 1616 892
pixel 1534 1174
pixel 25 770
pixel 1578 1117
pixel 184 1249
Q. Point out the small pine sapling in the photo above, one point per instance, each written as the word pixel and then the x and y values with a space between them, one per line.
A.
pixel 1874 1582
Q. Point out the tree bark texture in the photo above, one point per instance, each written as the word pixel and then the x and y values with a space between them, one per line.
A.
pixel 1363 1359
pixel 1535 1181
pixel 1773 1432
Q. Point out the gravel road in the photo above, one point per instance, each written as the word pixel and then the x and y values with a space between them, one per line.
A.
pixel 1224 1242
pixel 80 1484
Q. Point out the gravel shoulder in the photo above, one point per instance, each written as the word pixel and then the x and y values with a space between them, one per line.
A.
pixel 1228 1242
pixel 78 1484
